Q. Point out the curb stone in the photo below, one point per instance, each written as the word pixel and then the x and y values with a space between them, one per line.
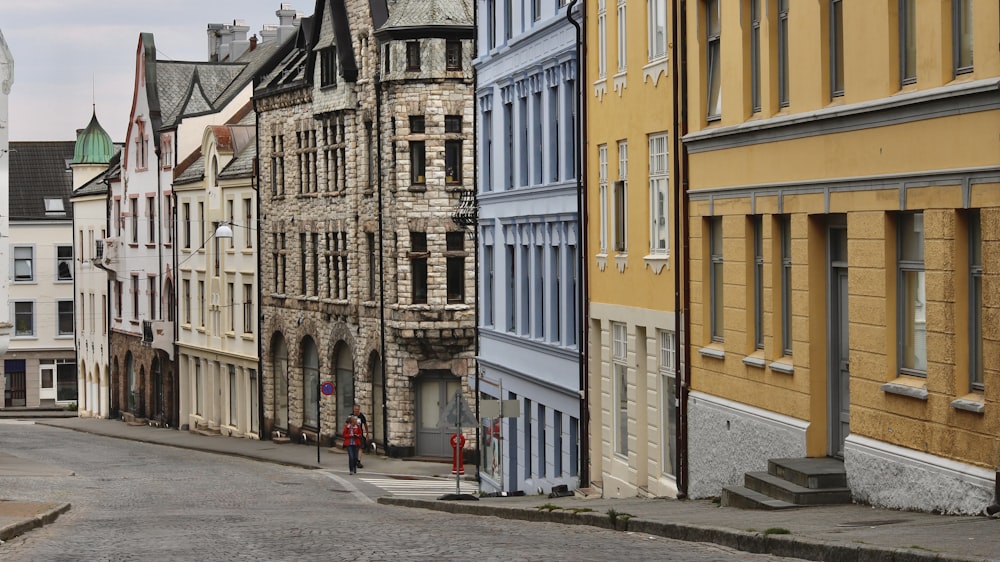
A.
pixel 15 529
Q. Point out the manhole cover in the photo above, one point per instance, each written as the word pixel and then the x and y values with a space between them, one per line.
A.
pixel 876 523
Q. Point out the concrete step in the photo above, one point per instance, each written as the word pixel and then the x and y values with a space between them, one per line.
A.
pixel 813 473
pixel 790 492
pixel 745 498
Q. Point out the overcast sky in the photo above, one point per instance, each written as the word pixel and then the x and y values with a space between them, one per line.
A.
pixel 69 54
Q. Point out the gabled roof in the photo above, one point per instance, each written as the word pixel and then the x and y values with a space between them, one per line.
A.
pixel 40 172
pixel 335 12
pixel 98 185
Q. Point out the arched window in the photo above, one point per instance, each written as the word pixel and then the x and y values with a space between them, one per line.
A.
pixel 130 386
pixel 310 382
pixel 345 381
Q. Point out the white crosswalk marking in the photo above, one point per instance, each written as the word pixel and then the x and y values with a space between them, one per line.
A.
pixel 422 487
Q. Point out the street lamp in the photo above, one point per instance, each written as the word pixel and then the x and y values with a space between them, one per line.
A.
pixel 224 230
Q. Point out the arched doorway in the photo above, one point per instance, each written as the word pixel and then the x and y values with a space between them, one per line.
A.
pixel 345 381
pixel 157 372
pixel 310 383
pixel 279 369
pixel 435 389
pixel 131 396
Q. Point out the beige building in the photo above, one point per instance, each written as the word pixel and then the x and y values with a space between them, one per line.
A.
pixel 843 216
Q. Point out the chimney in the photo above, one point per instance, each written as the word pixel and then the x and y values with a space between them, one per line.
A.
pixel 288 21
pixel 239 43
pixel 225 42
pixel 253 42
pixel 213 41
pixel 268 33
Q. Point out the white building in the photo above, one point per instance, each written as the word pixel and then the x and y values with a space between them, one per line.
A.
pixel 93 153
pixel 6 81
pixel 217 336
pixel 40 364
pixel 529 319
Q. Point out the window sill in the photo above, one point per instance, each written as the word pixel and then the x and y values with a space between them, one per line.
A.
pixel 654 70
pixel 907 386
pixel 620 82
pixel 230 334
pixel 247 337
pixel 621 260
pixel 714 351
pixel 972 402
pixel 602 261
pixel 24 337
pixel 657 262
pixel 201 330
pixel 600 88
pixel 62 281
pixel 418 188
pixel 755 360
pixel 64 337
pixel 782 366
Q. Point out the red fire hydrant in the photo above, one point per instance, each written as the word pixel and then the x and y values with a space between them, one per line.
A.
pixel 457 446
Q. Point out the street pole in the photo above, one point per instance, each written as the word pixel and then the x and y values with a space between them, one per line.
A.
pixel 319 420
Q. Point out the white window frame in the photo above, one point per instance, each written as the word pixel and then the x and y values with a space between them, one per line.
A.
pixel 912 355
pixel 659 206
pixel 71 311
pixel 657 30
pixel 619 355
pixel 620 206
pixel 33 331
pixel 602 167
pixel 64 259
pixel 622 37
pixel 602 39
pixel 29 260
pixel 668 404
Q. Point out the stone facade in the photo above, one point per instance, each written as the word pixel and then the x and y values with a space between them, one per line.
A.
pixel 148 406
pixel 337 244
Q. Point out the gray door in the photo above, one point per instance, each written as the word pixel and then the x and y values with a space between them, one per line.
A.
pixel 433 393
pixel 840 375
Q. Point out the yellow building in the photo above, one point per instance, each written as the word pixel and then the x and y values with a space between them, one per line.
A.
pixel 845 244
pixel 630 135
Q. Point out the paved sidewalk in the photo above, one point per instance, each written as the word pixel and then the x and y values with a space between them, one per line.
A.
pixel 834 533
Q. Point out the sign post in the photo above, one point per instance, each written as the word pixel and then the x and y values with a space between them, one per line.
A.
pixel 325 389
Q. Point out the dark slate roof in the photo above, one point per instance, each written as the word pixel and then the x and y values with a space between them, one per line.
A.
pixel 194 172
pixel 242 165
pixel 40 171
pixel 429 13
pixel 188 88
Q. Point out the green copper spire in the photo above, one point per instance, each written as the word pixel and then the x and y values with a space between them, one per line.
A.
pixel 93 144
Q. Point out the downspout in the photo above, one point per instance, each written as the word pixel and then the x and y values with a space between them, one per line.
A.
pixel 174 405
pixel 255 179
pixel 112 411
pixel 581 219
pixel 682 277
pixel 381 261
pixel 475 245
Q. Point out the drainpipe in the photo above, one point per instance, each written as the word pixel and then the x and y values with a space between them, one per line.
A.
pixel 583 328
pixel 381 261
pixel 255 179
pixel 682 276
pixel 475 246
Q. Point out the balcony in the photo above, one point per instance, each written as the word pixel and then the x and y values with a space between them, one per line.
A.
pixel 107 254
pixel 159 334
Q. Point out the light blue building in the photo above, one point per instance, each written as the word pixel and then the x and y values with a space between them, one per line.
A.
pixel 527 102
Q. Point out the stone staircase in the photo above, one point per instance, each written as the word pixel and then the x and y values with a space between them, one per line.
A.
pixel 791 483
pixel 202 428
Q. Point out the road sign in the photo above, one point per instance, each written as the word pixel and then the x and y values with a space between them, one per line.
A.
pixel 326 388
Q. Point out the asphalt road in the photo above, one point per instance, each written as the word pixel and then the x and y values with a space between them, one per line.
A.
pixel 133 501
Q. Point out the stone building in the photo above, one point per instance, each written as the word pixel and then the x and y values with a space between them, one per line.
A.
pixel 365 142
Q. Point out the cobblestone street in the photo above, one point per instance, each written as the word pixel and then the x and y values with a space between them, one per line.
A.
pixel 134 501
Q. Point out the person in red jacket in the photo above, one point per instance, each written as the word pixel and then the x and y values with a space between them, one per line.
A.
pixel 352 442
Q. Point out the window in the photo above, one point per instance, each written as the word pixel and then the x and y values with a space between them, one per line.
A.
pixel 338 256
pixel 247 222
pixel 907 42
pixel 412 56
pixel 418 266
pixel 836 48
pixel 233 396
pixel 453 161
pixel 304 264
pixel 151 218
pixel 64 263
pixel 198 393
pixel 657 29
pixel 277 165
pixel 306 157
pixel 622 38
pixel 418 163
pixel 186 287
pixel 785 229
pixel 715 282
pixel 511 288
pixel 453 55
pixel 133 208
pixel 668 398
pixel 602 166
pixel 140 146
pixel 658 235
pixel 713 29
pixel 961 31
pixel 328 67
pixel 455 241
pixel 975 301
pixel 757 226
pixel 911 298
pixel 528 434
pixel 169 224
pixel 755 55
pixel 372 264
pixel 783 53
pixel 231 296
pixel 201 304
pixel 488 284
pixel 542 442
pixel 248 316
pixel 334 153
pixel 134 284
pixel 64 322
pixel 186 220
pixel 620 366
pixel 119 290
pixel 152 296
pixel 602 39
pixel 536 10
pixel 24 318
pixel 201 224
pixel 491 24
pixel 487 151
pixel 621 199
pixel 453 123
pixel 54 207
pixel 508 19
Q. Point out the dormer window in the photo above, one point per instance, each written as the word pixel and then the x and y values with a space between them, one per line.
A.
pixel 413 56
pixel 328 67
pixel 54 207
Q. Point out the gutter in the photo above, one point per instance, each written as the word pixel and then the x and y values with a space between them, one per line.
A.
pixel 682 274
